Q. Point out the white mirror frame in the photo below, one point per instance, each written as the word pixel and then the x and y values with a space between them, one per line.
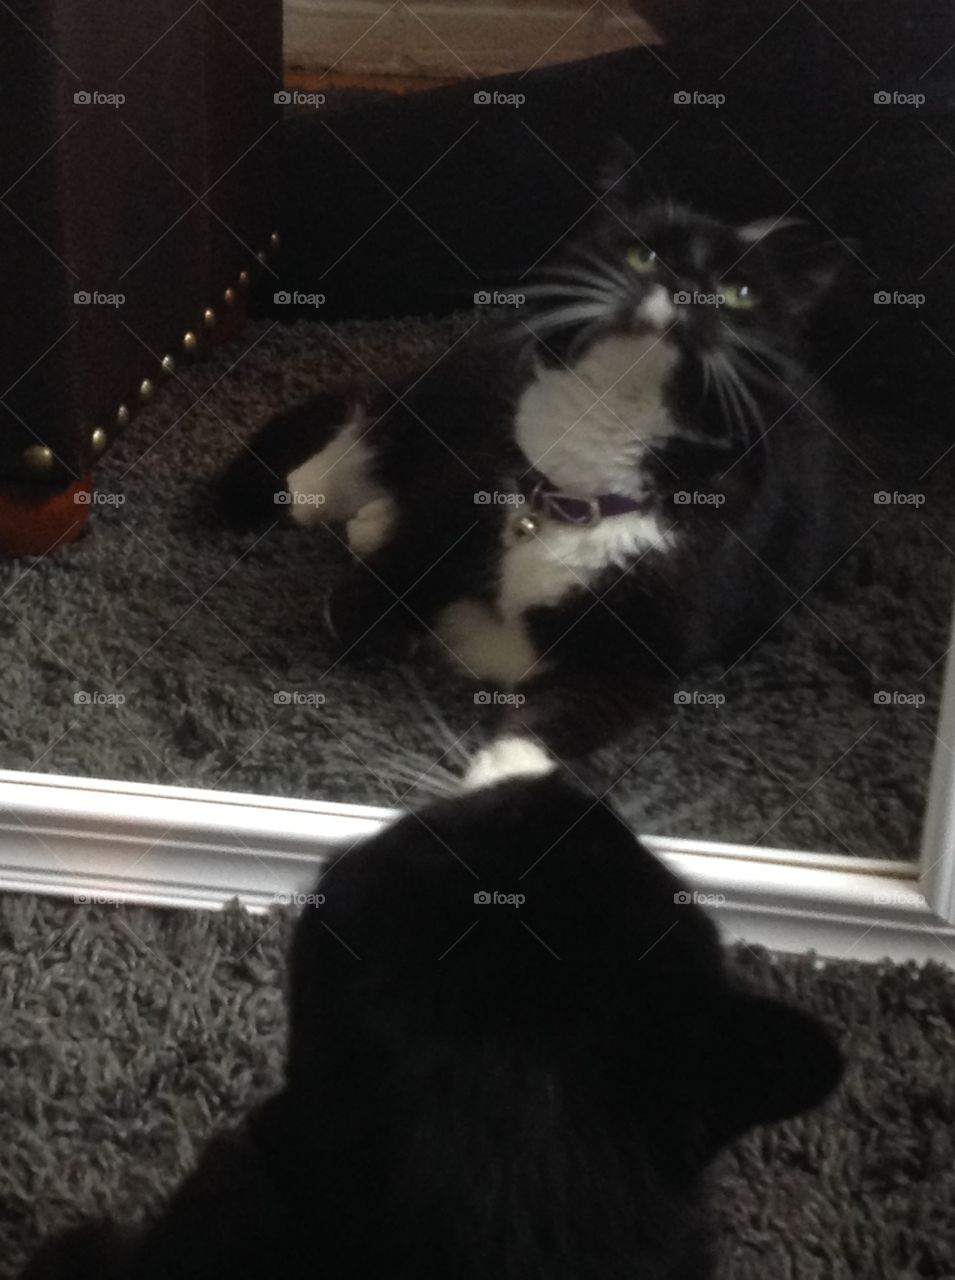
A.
pixel 117 843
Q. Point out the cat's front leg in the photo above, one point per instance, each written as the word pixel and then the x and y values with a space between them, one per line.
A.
pixel 374 607
pixel 485 646
pixel 364 616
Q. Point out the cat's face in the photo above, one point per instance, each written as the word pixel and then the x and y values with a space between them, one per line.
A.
pixel 727 302
pixel 523 930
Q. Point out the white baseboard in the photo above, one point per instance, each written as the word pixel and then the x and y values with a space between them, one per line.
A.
pixel 91 840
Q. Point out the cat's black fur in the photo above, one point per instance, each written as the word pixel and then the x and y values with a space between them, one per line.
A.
pixel 481 1091
pixel 734 569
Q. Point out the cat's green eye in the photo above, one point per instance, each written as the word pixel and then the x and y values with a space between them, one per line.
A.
pixel 738 297
pixel 641 260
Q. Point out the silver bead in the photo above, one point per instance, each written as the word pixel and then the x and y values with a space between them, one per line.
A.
pixel 122 416
pixel 525 526
pixel 274 240
pixel 146 390
pixel 98 439
pixel 168 364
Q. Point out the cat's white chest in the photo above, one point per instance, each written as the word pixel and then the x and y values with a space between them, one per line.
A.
pixel 541 569
pixel 493 642
pixel 591 429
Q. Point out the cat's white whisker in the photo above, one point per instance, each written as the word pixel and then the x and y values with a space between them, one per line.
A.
pixel 564 317
pixel 570 291
pixel 744 395
pixel 439 722
pixel 577 276
pixel 604 267
pixel 429 779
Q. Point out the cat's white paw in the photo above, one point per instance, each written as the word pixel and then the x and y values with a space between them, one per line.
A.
pixel 511 757
pixel 485 645
pixel 371 527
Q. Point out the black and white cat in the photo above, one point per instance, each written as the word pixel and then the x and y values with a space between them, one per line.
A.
pixel 514 1050
pixel 592 500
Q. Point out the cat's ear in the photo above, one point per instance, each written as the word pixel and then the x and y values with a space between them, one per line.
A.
pixel 767 1061
pixel 808 259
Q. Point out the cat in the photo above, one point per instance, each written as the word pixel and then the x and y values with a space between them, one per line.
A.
pixel 593 499
pixel 514 1049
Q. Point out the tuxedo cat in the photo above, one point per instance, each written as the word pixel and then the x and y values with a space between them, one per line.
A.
pixel 623 482
pixel 513 1052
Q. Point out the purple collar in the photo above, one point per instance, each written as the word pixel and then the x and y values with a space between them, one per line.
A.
pixel 546 499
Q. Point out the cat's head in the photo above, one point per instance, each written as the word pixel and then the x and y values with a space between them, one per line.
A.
pixel 518 948
pixel 727 303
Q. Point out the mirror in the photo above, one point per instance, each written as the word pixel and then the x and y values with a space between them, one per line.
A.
pixel 167 647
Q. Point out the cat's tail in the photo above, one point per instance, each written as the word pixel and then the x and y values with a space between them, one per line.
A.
pixel 251 489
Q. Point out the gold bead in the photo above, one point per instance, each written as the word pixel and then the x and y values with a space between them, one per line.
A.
pixel 229 297
pixel 122 416
pixel 209 318
pixel 168 364
pixel 146 390
pixel 98 439
pixel 190 343
pixel 244 279
pixel 39 457
pixel 275 240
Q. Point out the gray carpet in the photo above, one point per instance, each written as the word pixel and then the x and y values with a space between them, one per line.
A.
pixel 198 628
pixel 128 1035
